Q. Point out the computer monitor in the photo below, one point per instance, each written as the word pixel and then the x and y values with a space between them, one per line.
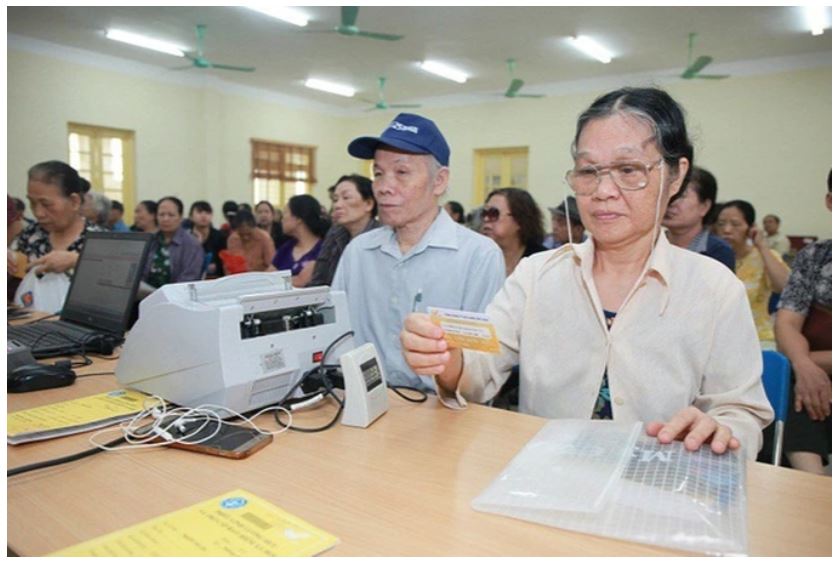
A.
pixel 105 283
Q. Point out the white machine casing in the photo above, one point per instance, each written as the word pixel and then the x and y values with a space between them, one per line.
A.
pixel 217 342
pixel 366 386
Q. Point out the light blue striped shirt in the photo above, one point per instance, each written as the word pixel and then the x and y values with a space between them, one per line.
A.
pixel 454 268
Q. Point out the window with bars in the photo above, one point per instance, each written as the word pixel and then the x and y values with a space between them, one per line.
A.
pixel 280 170
pixel 105 157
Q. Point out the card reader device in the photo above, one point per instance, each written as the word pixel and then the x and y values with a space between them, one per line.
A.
pixel 366 386
pixel 240 342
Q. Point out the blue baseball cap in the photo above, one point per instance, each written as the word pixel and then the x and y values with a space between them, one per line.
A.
pixel 408 132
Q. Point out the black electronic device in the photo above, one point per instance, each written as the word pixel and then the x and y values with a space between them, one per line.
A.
pixel 33 377
pixel 99 302
pixel 17 354
pixel 217 438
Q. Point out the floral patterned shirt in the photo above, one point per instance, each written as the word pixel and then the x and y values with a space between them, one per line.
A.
pixel 34 241
pixel 810 279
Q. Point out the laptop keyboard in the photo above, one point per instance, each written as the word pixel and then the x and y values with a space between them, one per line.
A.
pixel 53 338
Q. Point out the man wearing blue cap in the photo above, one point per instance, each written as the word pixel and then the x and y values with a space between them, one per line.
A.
pixel 420 257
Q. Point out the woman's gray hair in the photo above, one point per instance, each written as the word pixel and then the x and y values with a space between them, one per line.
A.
pixel 101 204
pixel 654 107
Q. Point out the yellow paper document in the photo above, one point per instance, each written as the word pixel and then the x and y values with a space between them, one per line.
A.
pixel 235 524
pixel 74 416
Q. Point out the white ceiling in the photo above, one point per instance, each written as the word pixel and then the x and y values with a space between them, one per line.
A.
pixel 647 41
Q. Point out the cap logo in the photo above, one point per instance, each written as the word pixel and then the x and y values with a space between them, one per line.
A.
pixel 397 125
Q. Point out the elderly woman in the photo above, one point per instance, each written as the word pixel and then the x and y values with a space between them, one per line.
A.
pixel 96 209
pixel 175 255
pixel 756 264
pixel 354 210
pixel 689 214
pixel 624 326
pixel 145 217
pixel 803 333
pixel 511 217
pixel 54 241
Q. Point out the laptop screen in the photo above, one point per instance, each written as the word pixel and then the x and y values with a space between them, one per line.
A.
pixel 105 283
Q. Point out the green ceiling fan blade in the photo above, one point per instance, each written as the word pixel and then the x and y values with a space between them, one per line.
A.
pixel 514 87
pixel 231 67
pixel 348 16
pixel 698 65
pixel 201 62
pixel 529 95
pixel 348 26
pixel 383 36
pixel 712 76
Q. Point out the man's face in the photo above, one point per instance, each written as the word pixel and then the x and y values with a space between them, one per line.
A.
pixel 404 188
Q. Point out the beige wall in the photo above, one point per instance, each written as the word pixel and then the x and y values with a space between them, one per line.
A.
pixel 767 138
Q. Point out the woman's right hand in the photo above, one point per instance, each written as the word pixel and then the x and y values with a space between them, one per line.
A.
pixel 424 346
pixel 812 390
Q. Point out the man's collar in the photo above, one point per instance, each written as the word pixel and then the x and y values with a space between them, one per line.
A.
pixel 441 233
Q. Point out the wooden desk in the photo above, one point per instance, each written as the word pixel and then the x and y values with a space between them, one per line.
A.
pixel 401 487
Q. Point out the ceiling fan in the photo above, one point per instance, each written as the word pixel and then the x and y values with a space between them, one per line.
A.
pixel 695 66
pixel 513 91
pixel 382 104
pixel 348 17
pixel 201 62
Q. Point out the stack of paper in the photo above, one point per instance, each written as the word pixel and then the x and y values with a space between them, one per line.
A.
pixel 74 416
pixel 234 524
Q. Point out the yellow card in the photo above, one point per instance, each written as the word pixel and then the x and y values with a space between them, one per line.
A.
pixel 234 524
pixel 73 416
pixel 466 329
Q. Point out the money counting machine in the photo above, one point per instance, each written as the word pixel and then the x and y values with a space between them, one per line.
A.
pixel 240 341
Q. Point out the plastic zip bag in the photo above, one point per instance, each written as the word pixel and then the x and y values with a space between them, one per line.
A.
pixel 610 479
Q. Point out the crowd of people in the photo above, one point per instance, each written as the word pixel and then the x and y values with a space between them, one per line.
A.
pixel 612 314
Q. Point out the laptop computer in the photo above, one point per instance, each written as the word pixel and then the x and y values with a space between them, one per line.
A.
pixel 99 302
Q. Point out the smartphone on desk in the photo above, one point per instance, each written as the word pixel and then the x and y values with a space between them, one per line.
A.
pixel 229 441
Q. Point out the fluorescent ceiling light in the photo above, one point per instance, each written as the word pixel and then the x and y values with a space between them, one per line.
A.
pixel 444 71
pixel 330 87
pixel 146 42
pixel 817 17
pixel 590 48
pixel 285 14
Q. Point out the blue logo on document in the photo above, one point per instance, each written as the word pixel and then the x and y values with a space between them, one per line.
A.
pixel 116 394
pixel 233 503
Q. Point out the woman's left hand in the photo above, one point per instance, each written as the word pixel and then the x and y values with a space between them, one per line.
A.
pixel 694 428
pixel 55 261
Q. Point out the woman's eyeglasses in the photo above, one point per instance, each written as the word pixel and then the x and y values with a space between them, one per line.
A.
pixel 491 214
pixel 626 175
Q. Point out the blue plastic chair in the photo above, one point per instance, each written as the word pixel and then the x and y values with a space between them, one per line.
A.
pixel 776 377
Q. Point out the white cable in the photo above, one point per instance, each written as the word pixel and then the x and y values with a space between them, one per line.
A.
pixel 139 434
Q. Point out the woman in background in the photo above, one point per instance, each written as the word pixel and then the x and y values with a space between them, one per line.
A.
pixel 266 221
pixel 145 217
pixel 688 216
pixel 248 241
pixel 304 223
pixel 803 333
pixel 515 222
pixel 212 240
pixel 174 255
pixel 760 268
pixel 353 213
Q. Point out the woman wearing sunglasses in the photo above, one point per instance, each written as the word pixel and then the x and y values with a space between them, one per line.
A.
pixel 623 326
pixel 515 222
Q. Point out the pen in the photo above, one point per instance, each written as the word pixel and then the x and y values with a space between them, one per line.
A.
pixel 416 300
